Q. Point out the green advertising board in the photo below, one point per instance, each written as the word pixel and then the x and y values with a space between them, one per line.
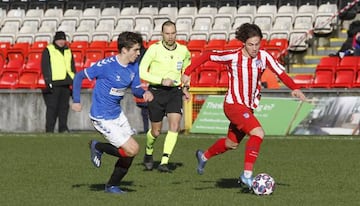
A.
pixel 278 116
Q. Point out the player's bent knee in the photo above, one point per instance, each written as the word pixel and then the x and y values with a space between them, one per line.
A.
pixel 131 147
pixel 230 144
pixel 155 133
pixel 258 131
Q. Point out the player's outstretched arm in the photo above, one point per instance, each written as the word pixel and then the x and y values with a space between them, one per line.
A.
pixel 298 94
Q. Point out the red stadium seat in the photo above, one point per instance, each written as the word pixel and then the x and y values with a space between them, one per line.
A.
pixel 112 49
pixel 92 55
pixel 194 76
pixel 281 43
pixel 113 44
pixel 22 48
pixel 263 43
pixel 28 79
pixel 41 82
pixel 110 52
pixel 349 61
pixel 4 47
pixel 15 62
pixel 89 63
pixel 331 61
pixel 323 78
pixel 303 80
pixel 38 46
pixel 208 78
pixel 2 63
pixel 357 79
pixel 9 79
pixel 181 41
pixel 344 76
pixel 79 46
pixel 196 45
pixel 33 62
pixel 215 44
pixel 87 84
pixel 233 44
pixel 211 65
pixel 98 44
pixel 151 42
pixel 78 56
pixel 223 78
pixel 275 51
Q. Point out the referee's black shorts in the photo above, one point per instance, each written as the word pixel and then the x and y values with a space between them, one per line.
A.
pixel 166 100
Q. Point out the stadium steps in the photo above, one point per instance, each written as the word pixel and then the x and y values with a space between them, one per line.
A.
pixel 302 69
pixel 343 34
pixel 337 42
pixel 327 50
pixel 313 59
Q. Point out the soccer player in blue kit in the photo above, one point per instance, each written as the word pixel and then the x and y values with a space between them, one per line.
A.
pixel 113 76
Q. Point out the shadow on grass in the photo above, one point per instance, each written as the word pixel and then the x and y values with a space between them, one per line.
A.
pixel 227 183
pixel 101 187
pixel 172 165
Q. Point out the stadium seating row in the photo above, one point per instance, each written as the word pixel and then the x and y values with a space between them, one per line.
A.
pixel 333 72
pixel 22 61
pixel 82 4
pixel 105 23
pixel 20 51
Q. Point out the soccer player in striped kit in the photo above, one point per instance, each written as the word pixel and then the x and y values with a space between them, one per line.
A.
pixel 245 67
pixel 114 75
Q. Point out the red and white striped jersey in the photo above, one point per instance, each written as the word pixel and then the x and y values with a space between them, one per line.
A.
pixel 244 74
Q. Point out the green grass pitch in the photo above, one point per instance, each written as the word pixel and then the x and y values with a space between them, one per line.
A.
pixel 55 169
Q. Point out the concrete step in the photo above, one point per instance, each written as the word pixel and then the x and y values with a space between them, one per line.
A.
pixel 302 68
pixel 327 50
pixel 313 59
pixel 343 34
pixel 337 42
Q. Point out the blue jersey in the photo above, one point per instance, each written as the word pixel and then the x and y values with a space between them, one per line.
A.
pixel 112 80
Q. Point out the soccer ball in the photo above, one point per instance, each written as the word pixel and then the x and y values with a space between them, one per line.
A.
pixel 263 184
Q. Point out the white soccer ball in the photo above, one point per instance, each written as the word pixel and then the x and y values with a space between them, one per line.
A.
pixel 263 184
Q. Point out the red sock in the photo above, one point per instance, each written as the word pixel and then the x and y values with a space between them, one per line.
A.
pixel 122 152
pixel 252 151
pixel 217 148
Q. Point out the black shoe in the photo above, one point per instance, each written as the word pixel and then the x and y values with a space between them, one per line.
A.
pixel 148 162
pixel 163 168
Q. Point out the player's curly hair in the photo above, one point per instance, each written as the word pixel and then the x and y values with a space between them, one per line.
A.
pixel 246 31
pixel 128 39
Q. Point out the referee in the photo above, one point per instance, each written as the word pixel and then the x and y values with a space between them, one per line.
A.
pixel 162 67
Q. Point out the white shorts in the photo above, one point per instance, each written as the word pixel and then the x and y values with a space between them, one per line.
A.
pixel 116 131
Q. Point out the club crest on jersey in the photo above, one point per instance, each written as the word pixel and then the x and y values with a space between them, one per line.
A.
pixel 118 79
pixel 246 115
pixel 258 63
pixel 132 76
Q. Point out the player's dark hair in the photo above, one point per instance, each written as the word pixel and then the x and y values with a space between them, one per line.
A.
pixel 246 31
pixel 167 23
pixel 128 39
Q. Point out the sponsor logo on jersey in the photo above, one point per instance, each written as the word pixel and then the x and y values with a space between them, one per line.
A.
pixel 117 92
